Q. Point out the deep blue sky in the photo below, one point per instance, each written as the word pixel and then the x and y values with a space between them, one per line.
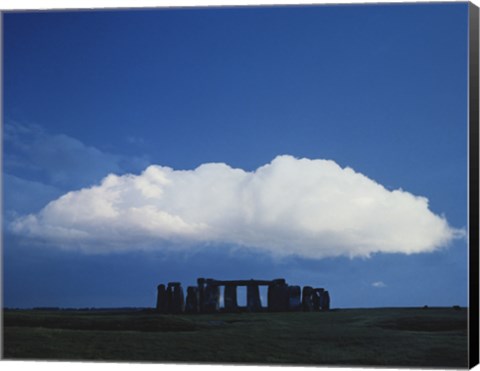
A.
pixel 382 89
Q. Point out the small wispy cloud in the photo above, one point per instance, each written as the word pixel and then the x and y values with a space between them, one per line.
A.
pixel 379 284
pixel 291 206
pixel 135 140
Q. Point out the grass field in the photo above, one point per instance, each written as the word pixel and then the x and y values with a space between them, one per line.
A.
pixel 433 337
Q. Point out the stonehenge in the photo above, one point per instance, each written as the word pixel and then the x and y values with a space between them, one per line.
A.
pixel 206 297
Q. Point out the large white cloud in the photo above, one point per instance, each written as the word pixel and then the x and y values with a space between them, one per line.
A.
pixel 309 208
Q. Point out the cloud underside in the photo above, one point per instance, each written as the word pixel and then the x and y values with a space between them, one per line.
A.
pixel 303 207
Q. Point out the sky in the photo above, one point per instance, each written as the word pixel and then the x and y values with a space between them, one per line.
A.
pixel 326 145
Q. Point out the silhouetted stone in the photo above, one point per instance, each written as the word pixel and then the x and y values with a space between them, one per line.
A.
pixel 212 298
pixel 192 300
pixel 205 298
pixel 278 296
pixel 326 301
pixel 230 298
pixel 318 297
pixel 315 301
pixel 177 301
pixel 294 301
pixel 201 294
pixel 161 299
pixel 307 299
pixel 169 294
pixel 253 298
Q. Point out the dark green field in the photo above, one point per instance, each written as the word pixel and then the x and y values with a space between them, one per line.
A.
pixel 434 337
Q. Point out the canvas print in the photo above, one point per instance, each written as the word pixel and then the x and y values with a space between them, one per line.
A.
pixel 270 185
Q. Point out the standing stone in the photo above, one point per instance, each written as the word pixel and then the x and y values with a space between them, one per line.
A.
pixel 326 301
pixel 161 299
pixel 230 298
pixel 169 294
pixel 212 298
pixel 253 298
pixel 278 298
pixel 294 302
pixel 177 301
pixel 317 299
pixel 307 299
pixel 192 301
pixel 201 294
